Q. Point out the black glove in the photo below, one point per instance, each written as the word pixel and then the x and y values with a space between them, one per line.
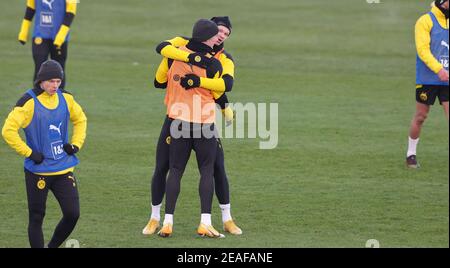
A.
pixel 199 60
pixel 70 148
pixel 190 81
pixel 214 67
pixel 36 157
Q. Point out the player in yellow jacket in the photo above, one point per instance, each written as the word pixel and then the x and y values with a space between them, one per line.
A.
pixel 44 113
pixel 431 34
pixel 191 115
pixel 218 86
pixel 50 30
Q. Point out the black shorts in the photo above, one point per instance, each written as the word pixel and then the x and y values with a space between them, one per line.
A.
pixel 42 49
pixel 426 94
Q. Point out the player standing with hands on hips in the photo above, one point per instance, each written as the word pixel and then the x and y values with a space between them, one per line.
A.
pixel 50 31
pixel 431 34
pixel 44 113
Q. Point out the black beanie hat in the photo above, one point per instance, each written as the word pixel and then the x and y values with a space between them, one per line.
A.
pixel 204 29
pixel 49 69
pixel 440 2
pixel 224 21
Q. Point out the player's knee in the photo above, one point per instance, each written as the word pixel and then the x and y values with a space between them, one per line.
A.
pixel 36 216
pixel 206 171
pixel 161 170
pixel 219 173
pixel 420 118
pixel 159 179
pixel 207 175
pixel 72 215
pixel 177 170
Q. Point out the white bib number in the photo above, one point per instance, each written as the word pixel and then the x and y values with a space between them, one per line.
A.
pixel 46 19
pixel 57 150
pixel 444 61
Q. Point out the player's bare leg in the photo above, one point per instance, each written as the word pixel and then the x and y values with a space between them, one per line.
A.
pixel 445 106
pixel 419 118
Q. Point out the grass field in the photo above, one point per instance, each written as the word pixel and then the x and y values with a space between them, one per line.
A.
pixel 342 73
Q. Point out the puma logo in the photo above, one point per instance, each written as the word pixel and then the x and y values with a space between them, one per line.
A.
pixel 443 43
pixel 53 127
pixel 49 3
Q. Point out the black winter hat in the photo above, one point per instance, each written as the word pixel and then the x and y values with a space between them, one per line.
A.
pixel 204 29
pixel 440 2
pixel 49 69
pixel 224 21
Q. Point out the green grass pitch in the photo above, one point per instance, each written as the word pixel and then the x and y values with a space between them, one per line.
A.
pixel 343 75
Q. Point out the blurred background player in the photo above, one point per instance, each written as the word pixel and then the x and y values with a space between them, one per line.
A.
pixel 43 112
pixel 219 86
pixel 431 34
pixel 50 31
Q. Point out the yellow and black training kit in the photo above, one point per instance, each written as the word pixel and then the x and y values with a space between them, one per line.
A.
pixel 423 39
pixel 61 33
pixel 218 86
pixel 22 114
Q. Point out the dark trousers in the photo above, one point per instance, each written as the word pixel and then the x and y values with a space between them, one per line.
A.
pixel 220 176
pixel 64 189
pixel 41 52
pixel 179 153
pixel 158 184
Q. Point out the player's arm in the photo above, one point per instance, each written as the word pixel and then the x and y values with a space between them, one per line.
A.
pixel 19 117
pixel 228 79
pixel 170 49
pixel 216 73
pixel 161 74
pixel 217 85
pixel 78 119
pixel 26 22
pixel 423 40
pixel 71 10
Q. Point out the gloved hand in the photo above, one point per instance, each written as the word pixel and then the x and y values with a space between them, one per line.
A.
pixel 70 148
pixel 229 115
pixel 190 81
pixel 37 157
pixel 214 69
pixel 199 60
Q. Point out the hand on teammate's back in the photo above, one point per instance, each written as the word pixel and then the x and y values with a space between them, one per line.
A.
pixel 200 60
pixel 214 68
pixel 190 81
